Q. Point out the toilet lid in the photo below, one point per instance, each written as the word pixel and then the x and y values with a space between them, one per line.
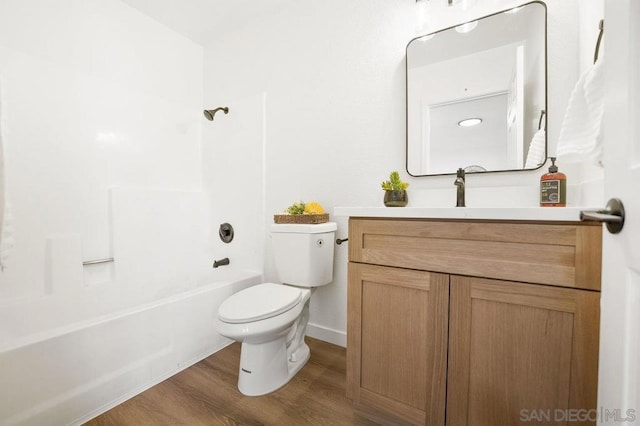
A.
pixel 259 302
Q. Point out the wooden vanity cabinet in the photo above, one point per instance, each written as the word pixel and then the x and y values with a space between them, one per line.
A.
pixel 515 347
pixel 397 341
pixel 470 322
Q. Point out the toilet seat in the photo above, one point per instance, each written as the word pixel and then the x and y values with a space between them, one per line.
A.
pixel 259 302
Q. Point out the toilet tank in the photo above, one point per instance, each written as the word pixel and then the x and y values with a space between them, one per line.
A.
pixel 303 254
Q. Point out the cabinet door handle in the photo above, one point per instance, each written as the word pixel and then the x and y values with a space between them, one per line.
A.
pixel 612 215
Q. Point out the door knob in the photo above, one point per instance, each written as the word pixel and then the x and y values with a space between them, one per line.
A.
pixel 612 215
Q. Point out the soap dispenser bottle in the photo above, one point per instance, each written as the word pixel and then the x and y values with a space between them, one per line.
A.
pixel 553 187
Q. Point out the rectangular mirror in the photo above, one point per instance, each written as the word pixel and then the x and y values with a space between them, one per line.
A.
pixel 476 95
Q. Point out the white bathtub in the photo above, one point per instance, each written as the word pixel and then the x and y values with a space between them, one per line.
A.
pixel 66 361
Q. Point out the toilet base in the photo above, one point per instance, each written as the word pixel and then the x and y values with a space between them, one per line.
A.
pixel 264 367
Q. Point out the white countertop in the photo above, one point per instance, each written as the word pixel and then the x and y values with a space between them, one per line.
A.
pixel 552 214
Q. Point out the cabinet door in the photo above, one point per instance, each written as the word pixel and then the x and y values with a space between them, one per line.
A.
pixel 521 353
pixel 397 342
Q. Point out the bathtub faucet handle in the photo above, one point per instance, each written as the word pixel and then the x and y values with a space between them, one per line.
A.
pixel 226 233
pixel 221 262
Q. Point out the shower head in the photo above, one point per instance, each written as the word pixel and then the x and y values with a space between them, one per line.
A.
pixel 210 113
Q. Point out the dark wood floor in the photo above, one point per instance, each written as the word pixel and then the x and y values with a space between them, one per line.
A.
pixel 207 394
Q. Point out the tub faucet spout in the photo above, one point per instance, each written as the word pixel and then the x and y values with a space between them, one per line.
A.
pixel 221 262
pixel 460 183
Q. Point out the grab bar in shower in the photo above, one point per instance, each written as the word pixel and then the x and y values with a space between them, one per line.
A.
pixel 95 262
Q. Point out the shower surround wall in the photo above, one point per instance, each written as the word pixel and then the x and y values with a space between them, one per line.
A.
pixel 103 159
pixel 97 96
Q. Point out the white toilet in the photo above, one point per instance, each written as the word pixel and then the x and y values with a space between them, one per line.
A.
pixel 271 319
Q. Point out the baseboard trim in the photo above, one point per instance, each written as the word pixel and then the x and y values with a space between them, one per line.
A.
pixel 327 334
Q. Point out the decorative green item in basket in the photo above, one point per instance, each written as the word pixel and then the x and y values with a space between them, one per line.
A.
pixel 304 213
pixel 395 191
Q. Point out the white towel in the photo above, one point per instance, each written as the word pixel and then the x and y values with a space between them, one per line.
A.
pixel 536 154
pixel 6 225
pixel 581 132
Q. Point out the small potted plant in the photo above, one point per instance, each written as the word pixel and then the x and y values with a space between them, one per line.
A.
pixel 395 191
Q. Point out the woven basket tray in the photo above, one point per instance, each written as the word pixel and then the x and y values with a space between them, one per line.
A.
pixel 307 219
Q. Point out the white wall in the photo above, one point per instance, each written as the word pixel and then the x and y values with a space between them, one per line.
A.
pixel 333 72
